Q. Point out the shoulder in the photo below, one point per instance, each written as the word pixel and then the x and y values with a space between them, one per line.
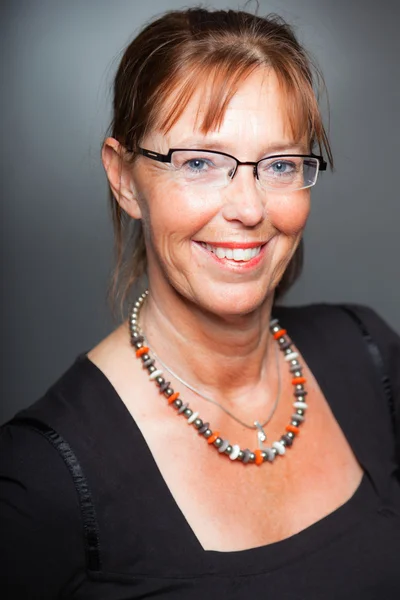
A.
pixel 345 315
pixel 39 518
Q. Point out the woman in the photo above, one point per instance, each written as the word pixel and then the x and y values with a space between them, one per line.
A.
pixel 215 442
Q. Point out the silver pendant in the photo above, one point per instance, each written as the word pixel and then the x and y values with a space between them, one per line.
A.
pixel 261 435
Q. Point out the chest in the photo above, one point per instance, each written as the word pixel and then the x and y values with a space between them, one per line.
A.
pixel 230 506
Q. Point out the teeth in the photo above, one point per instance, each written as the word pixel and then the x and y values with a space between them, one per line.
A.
pixel 236 254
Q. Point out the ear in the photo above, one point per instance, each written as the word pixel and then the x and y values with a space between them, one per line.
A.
pixel 119 174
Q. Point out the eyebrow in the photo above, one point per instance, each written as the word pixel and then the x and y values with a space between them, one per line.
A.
pixel 275 148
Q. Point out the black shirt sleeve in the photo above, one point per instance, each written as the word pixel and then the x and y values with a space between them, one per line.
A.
pixel 41 541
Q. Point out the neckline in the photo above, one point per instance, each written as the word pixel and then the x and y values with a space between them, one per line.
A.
pixel 251 560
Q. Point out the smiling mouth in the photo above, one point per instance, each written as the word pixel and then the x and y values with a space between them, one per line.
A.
pixel 236 254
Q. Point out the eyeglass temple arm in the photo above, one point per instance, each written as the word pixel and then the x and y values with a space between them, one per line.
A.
pixel 155 155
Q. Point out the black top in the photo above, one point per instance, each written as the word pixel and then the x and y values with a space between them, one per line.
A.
pixel 87 515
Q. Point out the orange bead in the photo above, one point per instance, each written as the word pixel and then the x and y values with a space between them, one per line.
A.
pixel 172 398
pixel 259 459
pixel 213 437
pixel 142 350
pixel 297 380
pixel 293 429
pixel 279 334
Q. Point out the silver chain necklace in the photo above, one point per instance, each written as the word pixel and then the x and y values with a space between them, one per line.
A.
pixel 261 435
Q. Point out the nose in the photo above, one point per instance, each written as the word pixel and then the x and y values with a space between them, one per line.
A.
pixel 244 201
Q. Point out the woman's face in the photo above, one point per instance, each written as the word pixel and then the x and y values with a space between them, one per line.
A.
pixel 180 219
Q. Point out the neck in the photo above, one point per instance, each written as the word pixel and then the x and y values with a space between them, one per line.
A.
pixel 229 357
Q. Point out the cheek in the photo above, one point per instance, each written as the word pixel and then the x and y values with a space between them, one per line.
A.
pixel 289 212
pixel 171 210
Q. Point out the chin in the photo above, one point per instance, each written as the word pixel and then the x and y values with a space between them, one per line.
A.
pixel 234 300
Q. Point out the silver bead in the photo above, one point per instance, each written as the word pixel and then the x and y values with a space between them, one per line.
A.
pixel 299 387
pixel 297 374
pixel 197 423
pixel 241 454
pixel 188 413
pixel 160 380
pixel 290 435
pixel 183 408
pixel 228 449
pixel 178 403
pixel 300 398
pixel 275 329
pixel 218 443
pixel 207 433
pixel 168 392
pixel 252 457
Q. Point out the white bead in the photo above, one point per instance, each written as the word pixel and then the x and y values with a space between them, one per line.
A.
pixel 193 417
pixel 302 405
pixel 279 447
pixel 291 356
pixel 235 452
pixel 155 374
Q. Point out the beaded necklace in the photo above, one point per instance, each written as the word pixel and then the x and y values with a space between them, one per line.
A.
pixel 213 438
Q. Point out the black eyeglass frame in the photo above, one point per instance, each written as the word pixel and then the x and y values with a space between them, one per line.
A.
pixel 166 158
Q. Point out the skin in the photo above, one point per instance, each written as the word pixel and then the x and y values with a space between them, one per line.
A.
pixel 221 313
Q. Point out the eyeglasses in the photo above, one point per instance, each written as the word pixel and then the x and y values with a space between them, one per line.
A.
pixel 209 168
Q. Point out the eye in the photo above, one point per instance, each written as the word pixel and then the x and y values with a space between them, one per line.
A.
pixel 197 164
pixel 282 167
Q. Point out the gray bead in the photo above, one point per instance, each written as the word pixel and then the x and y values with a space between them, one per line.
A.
pixel 228 449
pixel 187 413
pixel 302 392
pixel 252 457
pixel 270 454
pixel 217 443
pixel 299 387
pixel 275 328
pixel 264 455
pixel 145 357
pixel 151 369
pixel 149 362
pixel 136 337
pixel 183 408
pixel 207 433
pixel 300 412
pixel 286 440
pixel 273 323
pixel 160 380
pixel 224 445
pixel 297 417
pixel 177 403
pixel 204 428
pixel 168 392
pixel 295 365
pixel 297 374
pixel 240 456
pixel 291 435
pixel 288 351
pixel 164 386
pixel 198 423
pixel 284 345
pixel 275 451
pixel 246 455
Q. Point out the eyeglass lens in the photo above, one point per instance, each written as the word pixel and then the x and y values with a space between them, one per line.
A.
pixel 216 170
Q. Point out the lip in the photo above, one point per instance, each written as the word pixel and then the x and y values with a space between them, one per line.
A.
pixel 233 245
pixel 236 266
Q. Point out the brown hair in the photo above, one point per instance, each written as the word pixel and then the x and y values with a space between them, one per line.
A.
pixel 170 57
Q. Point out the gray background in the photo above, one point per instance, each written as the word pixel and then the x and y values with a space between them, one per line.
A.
pixel 57 63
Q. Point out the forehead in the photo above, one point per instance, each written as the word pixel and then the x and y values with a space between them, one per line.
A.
pixel 255 113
